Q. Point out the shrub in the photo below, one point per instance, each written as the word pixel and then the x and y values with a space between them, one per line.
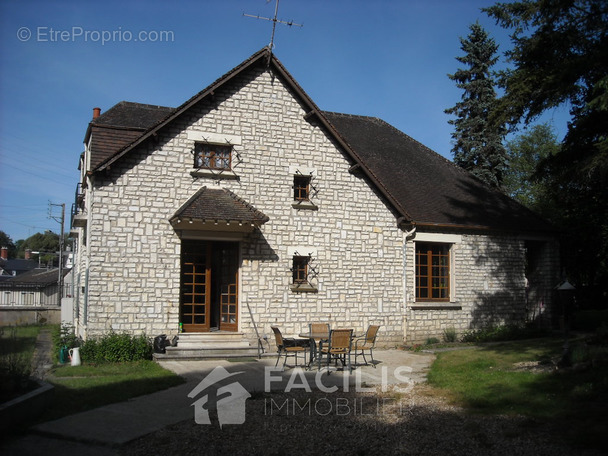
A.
pixel 501 333
pixel 65 336
pixel 432 340
pixel 449 334
pixel 15 363
pixel 114 348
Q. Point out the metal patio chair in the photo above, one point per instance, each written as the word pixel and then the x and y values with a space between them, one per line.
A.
pixel 322 331
pixel 288 346
pixel 338 348
pixel 367 342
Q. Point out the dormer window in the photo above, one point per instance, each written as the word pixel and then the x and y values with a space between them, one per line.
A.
pixel 212 156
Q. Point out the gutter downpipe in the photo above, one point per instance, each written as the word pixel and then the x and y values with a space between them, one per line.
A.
pixel 406 236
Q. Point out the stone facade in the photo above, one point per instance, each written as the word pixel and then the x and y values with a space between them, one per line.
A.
pixel 134 252
pixel 490 285
pixel 128 256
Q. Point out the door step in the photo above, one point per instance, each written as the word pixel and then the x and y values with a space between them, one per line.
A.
pixel 212 345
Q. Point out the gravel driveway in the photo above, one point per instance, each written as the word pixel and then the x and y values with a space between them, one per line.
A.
pixel 418 422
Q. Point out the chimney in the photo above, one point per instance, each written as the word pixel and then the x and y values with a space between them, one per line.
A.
pixel 28 254
pixel 5 253
pixel 96 112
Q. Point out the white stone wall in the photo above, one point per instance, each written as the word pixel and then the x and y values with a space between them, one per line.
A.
pixel 489 287
pixel 134 251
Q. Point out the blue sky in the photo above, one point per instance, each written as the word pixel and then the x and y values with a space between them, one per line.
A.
pixel 60 59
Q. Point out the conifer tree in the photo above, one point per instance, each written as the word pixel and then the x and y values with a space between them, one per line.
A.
pixel 477 137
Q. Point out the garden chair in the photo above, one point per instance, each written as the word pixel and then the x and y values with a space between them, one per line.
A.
pixel 289 347
pixel 367 342
pixel 322 329
pixel 338 348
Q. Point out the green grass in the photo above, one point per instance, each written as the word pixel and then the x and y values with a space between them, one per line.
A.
pixel 23 342
pixel 17 346
pixel 483 380
pixel 81 388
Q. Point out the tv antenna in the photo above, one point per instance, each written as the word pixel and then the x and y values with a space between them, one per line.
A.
pixel 274 21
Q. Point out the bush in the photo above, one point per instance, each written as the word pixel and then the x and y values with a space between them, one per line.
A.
pixel 432 340
pixel 15 363
pixel 449 334
pixel 65 336
pixel 501 333
pixel 116 348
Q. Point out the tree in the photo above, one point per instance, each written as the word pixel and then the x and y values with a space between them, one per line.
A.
pixel 560 55
pixel 526 153
pixel 477 138
pixel 46 243
pixel 6 241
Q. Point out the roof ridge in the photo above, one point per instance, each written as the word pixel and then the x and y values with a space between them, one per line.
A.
pixel 344 114
pixel 142 105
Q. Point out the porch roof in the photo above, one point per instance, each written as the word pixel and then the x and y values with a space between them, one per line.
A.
pixel 215 206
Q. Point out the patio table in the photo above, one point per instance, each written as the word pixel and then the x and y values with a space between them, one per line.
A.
pixel 314 337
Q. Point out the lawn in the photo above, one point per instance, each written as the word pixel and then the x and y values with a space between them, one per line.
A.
pixel 77 388
pixel 17 346
pixel 81 388
pixel 493 379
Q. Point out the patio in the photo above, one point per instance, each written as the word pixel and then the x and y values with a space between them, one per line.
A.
pixel 393 368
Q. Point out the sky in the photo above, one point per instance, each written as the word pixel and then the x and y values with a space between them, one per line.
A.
pixel 60 59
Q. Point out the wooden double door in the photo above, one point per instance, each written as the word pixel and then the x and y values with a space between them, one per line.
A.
pixel 209 286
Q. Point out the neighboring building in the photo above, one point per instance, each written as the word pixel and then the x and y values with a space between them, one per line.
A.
pixel 34 288
pixel 248 206
pixel 14 267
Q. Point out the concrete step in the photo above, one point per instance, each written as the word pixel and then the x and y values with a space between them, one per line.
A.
pixel 212 340
pixel 217 344
pixel 177 353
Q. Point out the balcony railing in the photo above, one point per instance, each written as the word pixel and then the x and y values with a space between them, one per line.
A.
pixel 79 218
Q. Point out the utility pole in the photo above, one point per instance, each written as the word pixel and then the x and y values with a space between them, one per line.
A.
pixel 61 221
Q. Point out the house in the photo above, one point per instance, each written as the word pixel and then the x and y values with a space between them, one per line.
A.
pixel 248 206
pixel 13 267
pixel 31 297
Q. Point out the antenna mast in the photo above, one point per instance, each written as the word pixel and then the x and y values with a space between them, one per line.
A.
pixel 274 21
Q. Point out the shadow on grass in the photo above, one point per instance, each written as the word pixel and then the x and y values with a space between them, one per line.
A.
pixel 74 394
pixel 573 401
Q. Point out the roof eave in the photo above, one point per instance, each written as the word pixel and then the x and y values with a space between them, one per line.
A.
pixel 456 226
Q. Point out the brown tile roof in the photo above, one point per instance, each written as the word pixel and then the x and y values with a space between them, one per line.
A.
pixel 106 141
pixel 423 187
pixel 430 189
pixel 133 115
pixel 219 205
pixel 119 126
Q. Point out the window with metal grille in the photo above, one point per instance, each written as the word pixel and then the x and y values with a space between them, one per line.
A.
pixel 301 188
pixel 432 272
pixel 212 156
pixel 300 269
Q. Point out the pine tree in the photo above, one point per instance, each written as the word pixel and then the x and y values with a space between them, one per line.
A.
pixel 477 138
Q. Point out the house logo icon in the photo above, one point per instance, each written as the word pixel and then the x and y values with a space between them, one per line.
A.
pixel 227 399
